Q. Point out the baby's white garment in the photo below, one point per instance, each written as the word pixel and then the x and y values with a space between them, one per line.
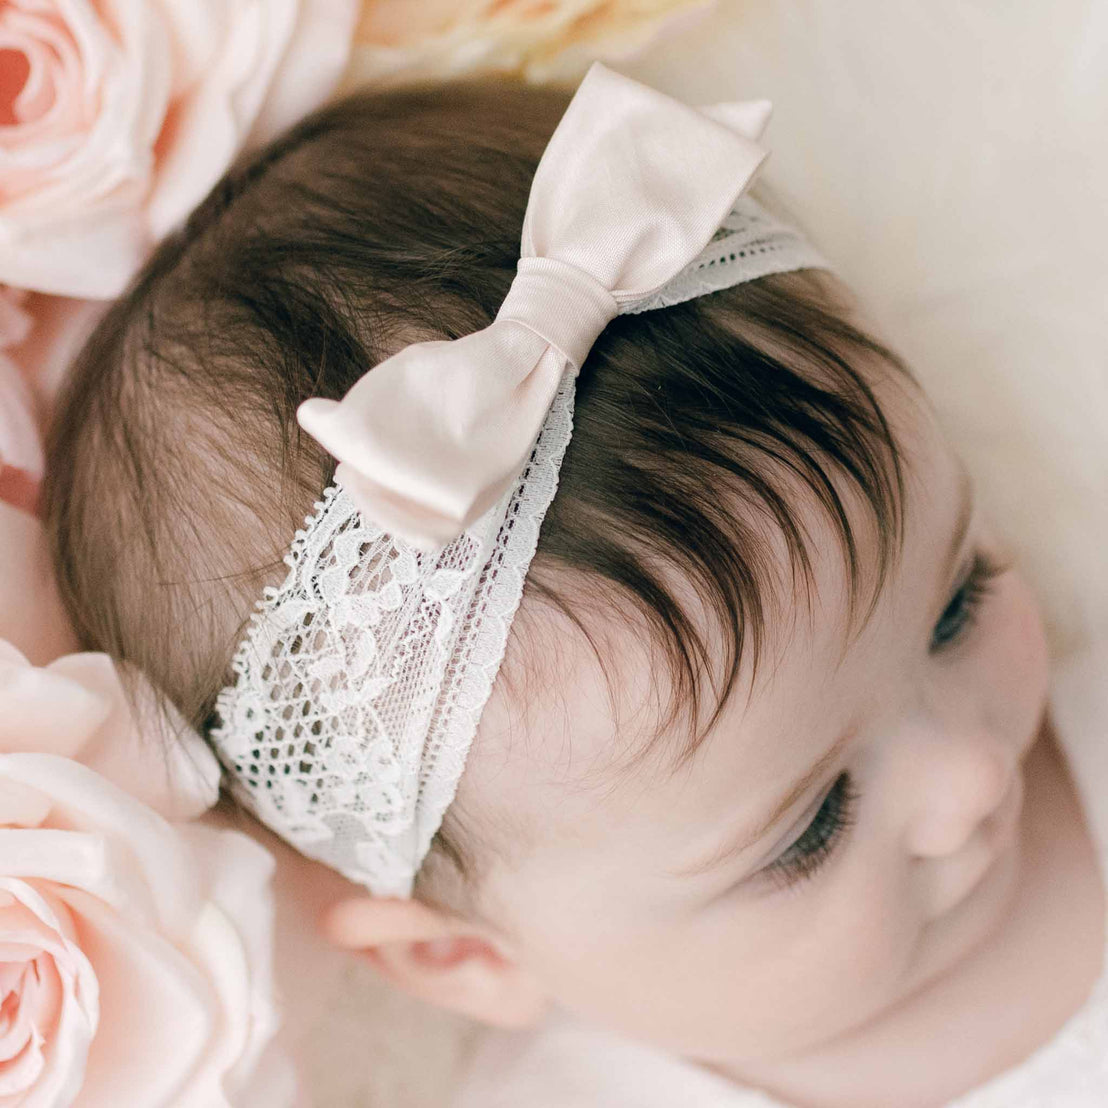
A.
pixel 567 1064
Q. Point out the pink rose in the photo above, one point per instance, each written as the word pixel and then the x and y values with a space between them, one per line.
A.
pixel 31 612
pixel 21 459
pixel 117 117
pixel 15 323
pixel 56 329
pixel 135 953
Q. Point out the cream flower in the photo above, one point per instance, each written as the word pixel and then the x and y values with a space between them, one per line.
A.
pixel 117 117
pixel 399 41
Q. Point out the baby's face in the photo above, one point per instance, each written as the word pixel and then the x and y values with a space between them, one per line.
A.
pixel 846 833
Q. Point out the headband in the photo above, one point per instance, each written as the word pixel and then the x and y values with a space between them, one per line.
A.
pixel 361 679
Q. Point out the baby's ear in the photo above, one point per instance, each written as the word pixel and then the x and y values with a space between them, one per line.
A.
pixel 439 958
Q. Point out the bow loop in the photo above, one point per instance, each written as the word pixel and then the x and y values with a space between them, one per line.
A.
pixel 633 183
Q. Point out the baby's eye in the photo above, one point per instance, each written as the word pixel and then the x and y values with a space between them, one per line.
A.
pixel 820 837
pixel 964 606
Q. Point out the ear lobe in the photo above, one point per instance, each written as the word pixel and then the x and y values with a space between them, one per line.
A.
pixel 439 958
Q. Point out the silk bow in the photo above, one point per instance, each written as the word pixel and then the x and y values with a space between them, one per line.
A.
pixel 629 190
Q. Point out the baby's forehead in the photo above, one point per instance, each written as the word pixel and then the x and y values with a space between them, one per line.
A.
pixel 570 758
pixel 594 707
pixel 576 711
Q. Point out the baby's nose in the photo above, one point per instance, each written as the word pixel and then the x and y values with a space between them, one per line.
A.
pixel 963 780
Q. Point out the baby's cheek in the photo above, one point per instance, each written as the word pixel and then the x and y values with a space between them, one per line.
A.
pixel 874 927
pixel 831 953
pixel 1017 660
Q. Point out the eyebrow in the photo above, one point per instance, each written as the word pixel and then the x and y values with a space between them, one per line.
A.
pixel 750 836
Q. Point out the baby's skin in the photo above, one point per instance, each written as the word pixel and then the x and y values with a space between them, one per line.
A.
pixel 872 885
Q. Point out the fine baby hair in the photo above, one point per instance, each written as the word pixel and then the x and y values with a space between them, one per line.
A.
pixel 179 472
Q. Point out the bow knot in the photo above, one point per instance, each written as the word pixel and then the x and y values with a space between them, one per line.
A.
pixel 561 303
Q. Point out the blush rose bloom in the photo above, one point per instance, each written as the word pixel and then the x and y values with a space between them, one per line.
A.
pixel 135 952
pixel 399 41
pixel 117 117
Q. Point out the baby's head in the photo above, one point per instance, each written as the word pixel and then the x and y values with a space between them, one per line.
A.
pixel 748 775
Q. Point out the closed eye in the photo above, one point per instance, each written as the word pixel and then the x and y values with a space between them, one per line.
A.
pixel 965 605
pixel 819 839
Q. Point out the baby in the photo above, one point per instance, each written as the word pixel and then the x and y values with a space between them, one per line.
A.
pixel 765 805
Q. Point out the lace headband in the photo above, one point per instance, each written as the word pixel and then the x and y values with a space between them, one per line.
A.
pixel 362 678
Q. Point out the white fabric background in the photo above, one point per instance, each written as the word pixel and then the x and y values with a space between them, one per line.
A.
pixel 950 157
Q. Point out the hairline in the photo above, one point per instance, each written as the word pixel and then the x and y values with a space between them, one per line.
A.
pixel 681 672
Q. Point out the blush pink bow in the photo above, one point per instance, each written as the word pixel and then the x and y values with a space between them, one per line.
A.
pixel 631 187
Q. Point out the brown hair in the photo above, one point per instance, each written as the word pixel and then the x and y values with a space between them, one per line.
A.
pixel 178 473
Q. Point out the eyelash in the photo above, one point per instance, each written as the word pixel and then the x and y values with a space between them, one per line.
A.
pixel 819 839
pixel 965 606
pixel 836 814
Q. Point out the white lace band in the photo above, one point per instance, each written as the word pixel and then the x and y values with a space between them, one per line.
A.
pixel 362 678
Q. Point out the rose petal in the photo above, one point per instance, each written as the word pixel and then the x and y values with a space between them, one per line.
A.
pixel 63 857
pixel 90 257
pixel 212 120
pixel 158 1013
pixel 140 744
pixel 20 441
pixel 76 707
pixel 147 872
pixel 44 710
pixel 318 51
pixel 22 807
pixel 15 322
pixel 19 489
pixel 31 613
pixel 23 1069
pixel 56 1065
pixel 242 903
pixel 61 326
